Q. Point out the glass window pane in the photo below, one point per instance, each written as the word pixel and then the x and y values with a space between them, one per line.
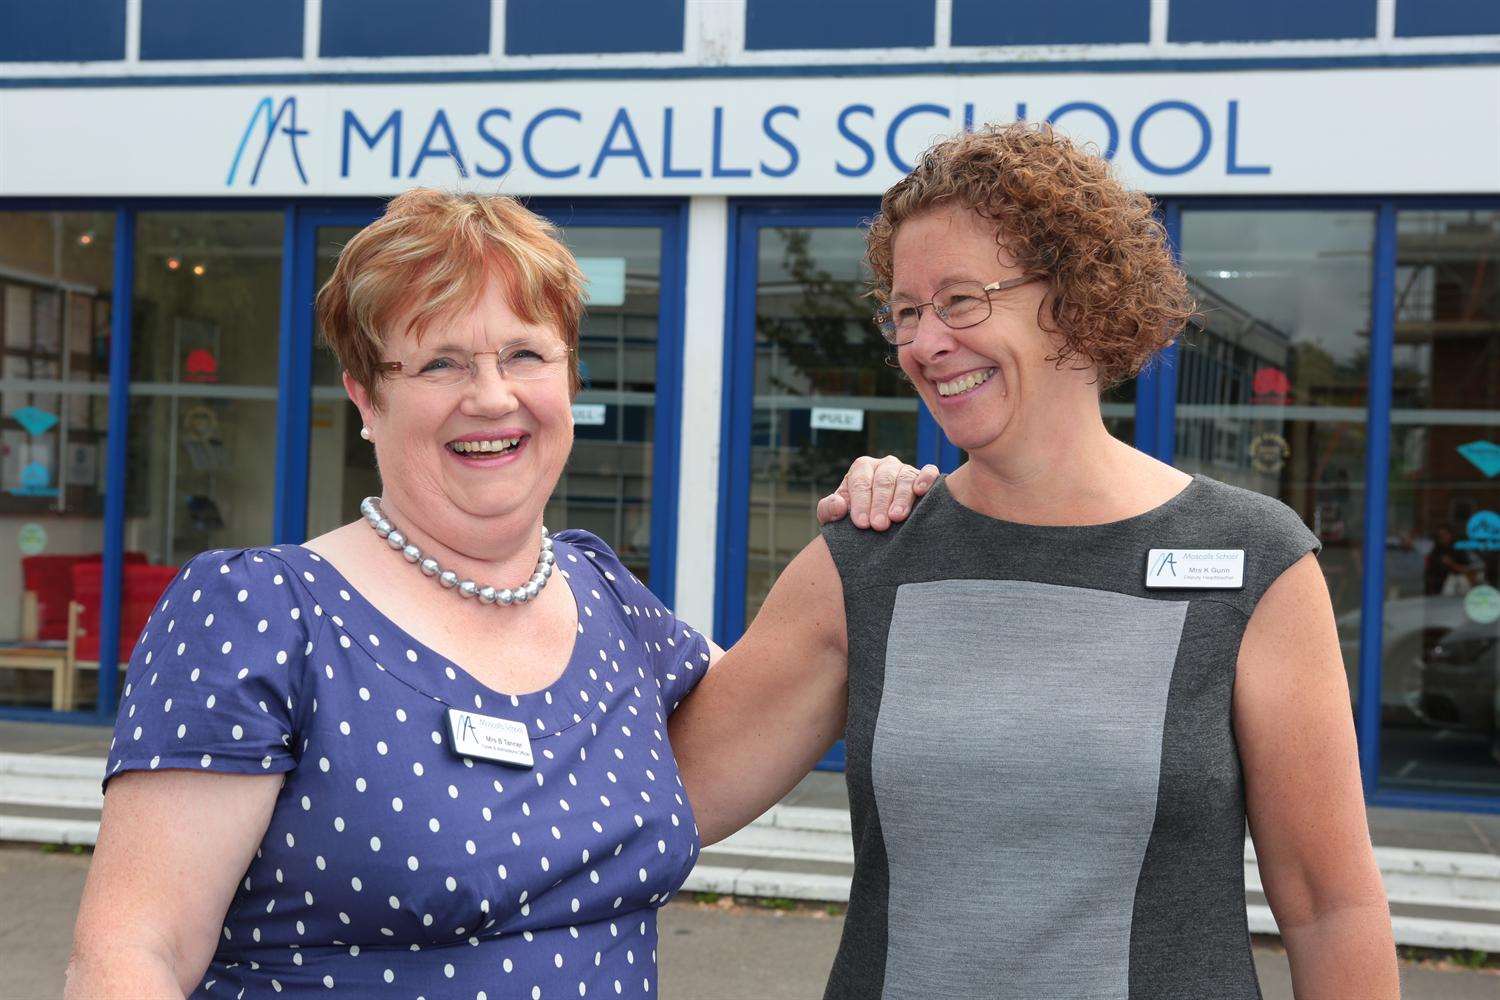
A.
pixel 606 486
pixel 202 467
pixel 56 278
pixel 824 391
pixel 1272 394
pixel 1442 609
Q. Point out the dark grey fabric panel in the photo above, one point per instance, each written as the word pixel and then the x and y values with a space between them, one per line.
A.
pixel 859 966
pixel 1189 937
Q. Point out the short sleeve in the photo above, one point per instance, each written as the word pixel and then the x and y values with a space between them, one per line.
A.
pixel 213 682
pixel 677 652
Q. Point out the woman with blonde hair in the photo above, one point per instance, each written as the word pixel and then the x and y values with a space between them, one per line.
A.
pixel 1071 677
pixel 424 754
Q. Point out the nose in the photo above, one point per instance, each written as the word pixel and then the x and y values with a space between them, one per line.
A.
pixel 487 394
pixel 931 340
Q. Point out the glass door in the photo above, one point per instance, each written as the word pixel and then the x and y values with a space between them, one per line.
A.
pixel 1442 562
pixel 1272 394
pixel 56 281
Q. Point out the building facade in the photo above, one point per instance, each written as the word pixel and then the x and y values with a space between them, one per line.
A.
pixel 176 177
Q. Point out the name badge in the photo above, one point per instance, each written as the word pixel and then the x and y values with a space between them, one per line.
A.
pixel 489 738
pixel 1196 569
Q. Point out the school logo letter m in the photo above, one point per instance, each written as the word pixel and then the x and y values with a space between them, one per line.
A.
pixel 282 121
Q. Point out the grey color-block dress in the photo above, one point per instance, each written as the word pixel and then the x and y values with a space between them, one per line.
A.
pixel 1046 792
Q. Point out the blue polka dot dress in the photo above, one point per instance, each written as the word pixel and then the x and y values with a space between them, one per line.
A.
pixel 392 866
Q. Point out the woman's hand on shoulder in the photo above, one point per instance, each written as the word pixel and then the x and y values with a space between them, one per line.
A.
pixel 877 492
pixel 172 847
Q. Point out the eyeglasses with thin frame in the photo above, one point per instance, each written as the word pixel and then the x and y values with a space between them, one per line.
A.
pixel 959 305
pixel 447 369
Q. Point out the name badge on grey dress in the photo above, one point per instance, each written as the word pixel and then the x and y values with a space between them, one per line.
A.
pixel 1196 569
pixel 489 738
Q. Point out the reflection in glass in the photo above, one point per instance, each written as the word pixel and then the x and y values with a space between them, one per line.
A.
pixel 824 391
pixel 606 486
pixel 1442 609
pixel 1272 394
pixel 56 278
pixel 203 382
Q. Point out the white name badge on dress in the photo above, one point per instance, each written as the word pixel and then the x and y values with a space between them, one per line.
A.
pixel 1200 569
pixel 489 738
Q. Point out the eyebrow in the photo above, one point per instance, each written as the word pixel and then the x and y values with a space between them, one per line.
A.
pixel 943 282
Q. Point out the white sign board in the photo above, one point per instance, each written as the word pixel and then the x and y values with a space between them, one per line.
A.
pixel 1297 131
pixel 589 414
pixel 828 418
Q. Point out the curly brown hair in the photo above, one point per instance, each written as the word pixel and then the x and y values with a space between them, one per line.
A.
pixel 1117 295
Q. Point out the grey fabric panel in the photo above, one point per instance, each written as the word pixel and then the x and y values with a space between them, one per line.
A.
pixel 1016 762
pixel 1189 936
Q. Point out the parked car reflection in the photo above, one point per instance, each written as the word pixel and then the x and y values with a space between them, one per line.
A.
pixel 1460 682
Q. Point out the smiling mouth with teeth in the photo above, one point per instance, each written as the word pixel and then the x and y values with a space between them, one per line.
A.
pixel 498 446
pixel 965 382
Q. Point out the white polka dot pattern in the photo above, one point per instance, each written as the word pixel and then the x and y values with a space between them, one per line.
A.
pixel 458 877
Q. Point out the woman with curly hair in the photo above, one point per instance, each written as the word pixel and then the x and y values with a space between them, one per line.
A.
pixel 1074 674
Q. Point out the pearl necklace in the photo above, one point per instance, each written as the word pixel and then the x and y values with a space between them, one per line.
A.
pixel 448 579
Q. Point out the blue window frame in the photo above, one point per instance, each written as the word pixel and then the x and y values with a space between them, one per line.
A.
pixel 1269 20
pixel 1060 22
pixel 221 29
pixel 565 27
pixel 77 31
pixel 401 28
pixel 838 24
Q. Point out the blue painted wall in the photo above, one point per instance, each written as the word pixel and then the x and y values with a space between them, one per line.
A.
pixel 221 29
pixel 62 30
pixel 838 24
pixel 1055 22
pixel 562 27
pixel 1427 18
pixel 403 28
pixel 1270 20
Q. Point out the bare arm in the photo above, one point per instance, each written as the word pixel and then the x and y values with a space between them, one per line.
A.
pixel 772 705
pixel 1303 794
pixel 172 847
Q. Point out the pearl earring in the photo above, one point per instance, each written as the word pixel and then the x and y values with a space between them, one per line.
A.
pixel 364 432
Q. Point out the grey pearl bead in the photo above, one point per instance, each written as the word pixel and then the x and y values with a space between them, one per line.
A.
pixel 468 588
pixel 545 571
pixel 531 590
pixel 367 505
pixel 412 553
pixel 448 579
pixel 487 595
pixel 521 595
pixel 396 540
pixel 546 543
pixel 548 557
pixel 430 567
pixel 505 596
pixel 384 527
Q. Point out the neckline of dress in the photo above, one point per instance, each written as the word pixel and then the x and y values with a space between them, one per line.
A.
pixel 568 701
pixel 940 488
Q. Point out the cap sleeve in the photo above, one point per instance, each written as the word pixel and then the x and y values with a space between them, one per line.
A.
pixel 677 652
pixel 214 681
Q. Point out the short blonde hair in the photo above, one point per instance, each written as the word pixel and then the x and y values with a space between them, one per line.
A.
pixel 438 250
pixel 1117 294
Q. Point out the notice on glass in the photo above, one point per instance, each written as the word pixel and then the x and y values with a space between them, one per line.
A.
pixel 830 418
